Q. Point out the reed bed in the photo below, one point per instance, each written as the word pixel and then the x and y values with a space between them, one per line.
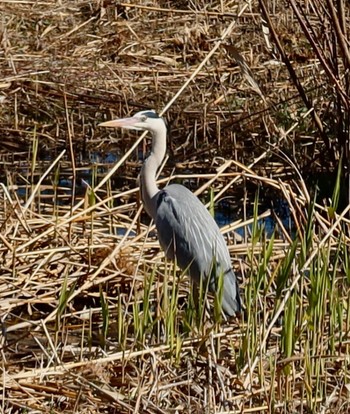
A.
pixel 93 317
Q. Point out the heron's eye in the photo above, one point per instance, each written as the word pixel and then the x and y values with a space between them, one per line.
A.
pixel 143 118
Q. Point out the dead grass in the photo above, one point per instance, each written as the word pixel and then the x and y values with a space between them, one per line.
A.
pixel 75 264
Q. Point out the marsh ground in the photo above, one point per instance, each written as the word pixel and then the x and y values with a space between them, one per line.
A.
pixel 93 319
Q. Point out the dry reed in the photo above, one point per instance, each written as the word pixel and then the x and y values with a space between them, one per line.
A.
pixel 75 264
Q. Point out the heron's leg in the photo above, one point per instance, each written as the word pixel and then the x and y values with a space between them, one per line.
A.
pixel 199 293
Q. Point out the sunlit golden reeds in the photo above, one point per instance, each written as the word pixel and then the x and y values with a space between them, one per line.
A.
pixel 93 318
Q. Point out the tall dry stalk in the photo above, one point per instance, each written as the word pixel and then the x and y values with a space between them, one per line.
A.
pixel 325 25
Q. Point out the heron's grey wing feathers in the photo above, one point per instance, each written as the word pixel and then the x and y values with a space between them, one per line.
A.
pixel 188 233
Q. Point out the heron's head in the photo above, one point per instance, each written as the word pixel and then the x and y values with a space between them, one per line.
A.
pixel 142 121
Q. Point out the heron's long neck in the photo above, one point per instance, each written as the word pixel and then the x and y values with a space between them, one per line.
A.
pixel 149 187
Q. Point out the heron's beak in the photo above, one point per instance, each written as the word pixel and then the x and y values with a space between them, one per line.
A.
pixel 120 123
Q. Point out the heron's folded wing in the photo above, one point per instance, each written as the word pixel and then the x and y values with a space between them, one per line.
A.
pixel 188 232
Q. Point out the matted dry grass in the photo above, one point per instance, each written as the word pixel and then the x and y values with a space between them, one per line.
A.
pixel 68 255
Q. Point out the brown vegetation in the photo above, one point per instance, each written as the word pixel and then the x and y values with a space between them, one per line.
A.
pixel 76 259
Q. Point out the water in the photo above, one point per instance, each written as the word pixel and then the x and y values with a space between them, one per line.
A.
pixel 98 166
pixel 225 215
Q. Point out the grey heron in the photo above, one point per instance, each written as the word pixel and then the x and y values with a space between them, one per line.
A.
pixel 187 232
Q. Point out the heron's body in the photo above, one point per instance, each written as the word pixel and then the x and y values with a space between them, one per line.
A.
pixel 187 232
pixel 190 236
